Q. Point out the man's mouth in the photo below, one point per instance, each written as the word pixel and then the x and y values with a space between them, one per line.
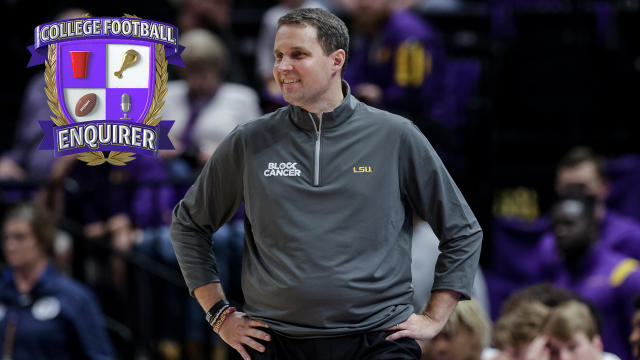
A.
pixel 290 81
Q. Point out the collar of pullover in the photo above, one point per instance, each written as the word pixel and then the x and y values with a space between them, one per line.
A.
pixel 330 119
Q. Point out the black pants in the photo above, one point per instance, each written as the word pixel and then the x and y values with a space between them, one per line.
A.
pixel 365 346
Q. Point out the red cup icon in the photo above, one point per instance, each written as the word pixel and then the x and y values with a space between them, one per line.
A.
pixel 79 63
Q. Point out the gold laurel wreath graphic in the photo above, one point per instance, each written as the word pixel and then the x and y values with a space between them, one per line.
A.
pixel 160 90
pixel 117 158
pixel 51 90
pixel 92 158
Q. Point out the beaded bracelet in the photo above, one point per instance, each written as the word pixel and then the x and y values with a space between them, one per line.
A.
pixel 222 318
pixel 214 318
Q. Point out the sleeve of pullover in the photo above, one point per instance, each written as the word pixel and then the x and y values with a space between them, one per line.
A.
pixel 434 197
pixel 210 202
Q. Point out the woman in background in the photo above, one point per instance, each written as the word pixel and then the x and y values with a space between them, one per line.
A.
pixel 43 314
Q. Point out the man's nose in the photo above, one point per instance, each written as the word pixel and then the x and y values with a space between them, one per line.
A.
pixel 284 64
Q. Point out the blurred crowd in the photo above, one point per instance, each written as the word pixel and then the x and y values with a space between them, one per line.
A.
pixel 89 270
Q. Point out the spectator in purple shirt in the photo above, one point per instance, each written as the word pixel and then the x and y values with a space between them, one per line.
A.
pixel 397 61
pixel 606 279
pixel 582 170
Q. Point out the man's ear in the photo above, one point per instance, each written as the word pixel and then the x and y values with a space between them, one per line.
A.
pixel 338 57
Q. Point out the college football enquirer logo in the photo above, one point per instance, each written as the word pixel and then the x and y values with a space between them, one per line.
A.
pixel 106 82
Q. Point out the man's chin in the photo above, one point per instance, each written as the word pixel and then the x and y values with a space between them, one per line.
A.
pixel 291 99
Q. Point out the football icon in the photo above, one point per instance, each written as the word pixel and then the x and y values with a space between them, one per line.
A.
pixel 86 104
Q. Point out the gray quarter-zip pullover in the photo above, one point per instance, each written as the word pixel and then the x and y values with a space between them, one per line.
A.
pixel 329 205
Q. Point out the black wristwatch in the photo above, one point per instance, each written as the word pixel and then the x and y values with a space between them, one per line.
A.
pixel 215 310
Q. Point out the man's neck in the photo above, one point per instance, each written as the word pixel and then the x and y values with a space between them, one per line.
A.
pixel 333 99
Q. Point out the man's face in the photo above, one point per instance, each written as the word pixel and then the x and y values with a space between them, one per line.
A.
pixel 634 338
pixel 301 69
pixel 573 227
pixel 578 348
pixel 583 177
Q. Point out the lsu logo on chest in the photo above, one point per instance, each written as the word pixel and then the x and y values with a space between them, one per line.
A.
pixel 282 169
pixel 362 170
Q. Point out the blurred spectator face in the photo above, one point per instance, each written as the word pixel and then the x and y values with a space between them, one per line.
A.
pixel 572 333
pixel 464 335
pixel 302 69
pixel 634 338
pixel 582 177
pixel 575 230
pixel 214 14
pixel 367 14
pixel 205 59
pixel 578 348
pixel 459 345
pixel 19 244
pixel 188 19
pixel 374 8
pixel 202 80
pixel 517 332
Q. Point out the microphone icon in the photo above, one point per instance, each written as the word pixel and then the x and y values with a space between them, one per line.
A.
pixel 125 105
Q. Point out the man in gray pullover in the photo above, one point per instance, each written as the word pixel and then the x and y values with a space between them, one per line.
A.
pixel 330 186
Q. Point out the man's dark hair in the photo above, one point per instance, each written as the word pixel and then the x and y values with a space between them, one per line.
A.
pixel 332 32
pixel 581 154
